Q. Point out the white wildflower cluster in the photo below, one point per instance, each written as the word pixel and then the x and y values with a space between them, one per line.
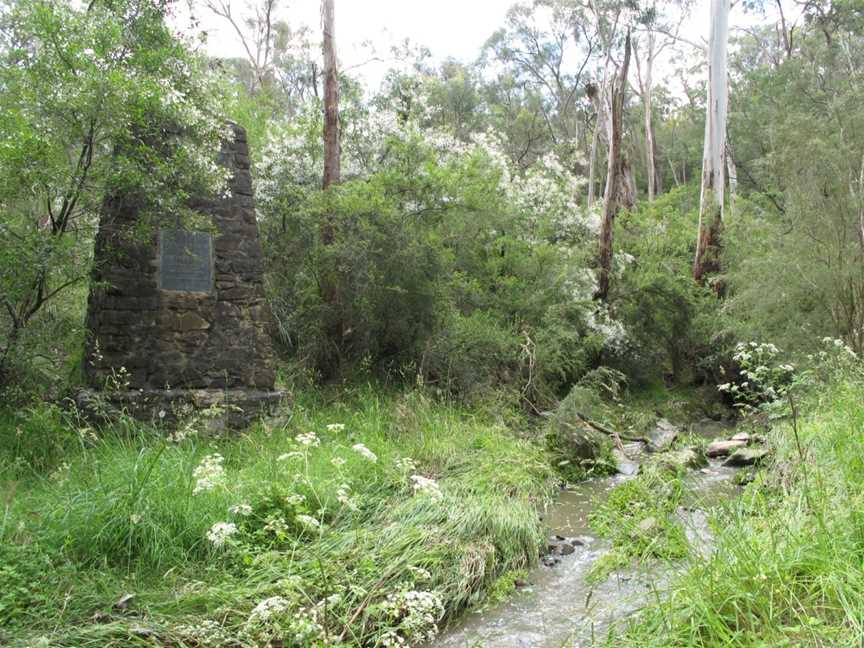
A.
pixel 243 510
pixel 184 431
pixel 308 521
pixel 294 499
pixel 364 452
pixel 414 616
pixel 61 473
pixel 278 619
pixel 207 634
pixel 426 486
pixel 220 532
pixel 308 439
pixel 420 573
pixel 336 427
pixel 761 378
pixel 836 344
pixel 406 465
pixel 343 496
pixel 209 474
pixel 276 526
pixel 337 461
pixel 268 608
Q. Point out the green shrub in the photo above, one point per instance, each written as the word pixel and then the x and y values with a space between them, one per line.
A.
pixel 578 450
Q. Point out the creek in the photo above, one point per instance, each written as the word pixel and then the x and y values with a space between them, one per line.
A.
pixel 557 607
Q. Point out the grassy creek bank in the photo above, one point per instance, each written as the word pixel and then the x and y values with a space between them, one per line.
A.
pixel 666 559
pixel 787 566
pixel 371 519
pixel 358 522
pixel 362 518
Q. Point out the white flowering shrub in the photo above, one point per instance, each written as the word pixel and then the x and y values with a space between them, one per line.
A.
pixel 762 378
pixel 447 256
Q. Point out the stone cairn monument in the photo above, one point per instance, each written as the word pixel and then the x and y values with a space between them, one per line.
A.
pixel 180 319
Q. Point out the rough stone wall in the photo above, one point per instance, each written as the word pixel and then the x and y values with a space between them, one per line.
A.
pixel 182 340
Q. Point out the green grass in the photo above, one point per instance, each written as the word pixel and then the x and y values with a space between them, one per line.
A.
pixel 788 567
pixel 88 519
pixel 650 498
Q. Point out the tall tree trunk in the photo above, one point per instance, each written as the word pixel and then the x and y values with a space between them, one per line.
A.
pixel 708 243
pixel 616 171
pixel 330 283
pixel 732 173
pixel 331 96
pixel 598 98
pixel 650 146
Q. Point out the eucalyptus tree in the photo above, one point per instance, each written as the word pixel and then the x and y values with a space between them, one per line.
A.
pixel 711 201
pixel 94 100
pixel 331 94
pixel 658 29
pixel 616 172
pixel 543 53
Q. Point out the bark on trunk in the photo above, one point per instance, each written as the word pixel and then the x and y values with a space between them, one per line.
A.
pixel 331 96
pixel 708 243
pixel 330 282
pixel 616 174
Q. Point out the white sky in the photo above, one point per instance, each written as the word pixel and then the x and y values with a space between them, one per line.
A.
pixel 449 28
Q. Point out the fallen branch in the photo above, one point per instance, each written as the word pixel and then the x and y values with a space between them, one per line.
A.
pixel 608 431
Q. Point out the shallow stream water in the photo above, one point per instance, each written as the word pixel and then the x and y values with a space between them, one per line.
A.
pixel 558 608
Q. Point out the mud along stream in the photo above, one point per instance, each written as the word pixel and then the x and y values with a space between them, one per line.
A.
pixel 558 607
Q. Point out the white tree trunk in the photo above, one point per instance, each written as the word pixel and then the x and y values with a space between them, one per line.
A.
pixel 714 153
pixel 601 124
pixel 650 147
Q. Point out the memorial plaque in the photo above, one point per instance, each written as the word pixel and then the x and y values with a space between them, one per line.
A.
pixel 185 261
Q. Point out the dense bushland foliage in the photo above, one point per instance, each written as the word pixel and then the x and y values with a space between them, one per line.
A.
pixel 456 284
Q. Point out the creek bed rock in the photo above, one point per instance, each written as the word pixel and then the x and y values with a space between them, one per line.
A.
pixel 724 448
pixel 662 436
pixel 746 457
